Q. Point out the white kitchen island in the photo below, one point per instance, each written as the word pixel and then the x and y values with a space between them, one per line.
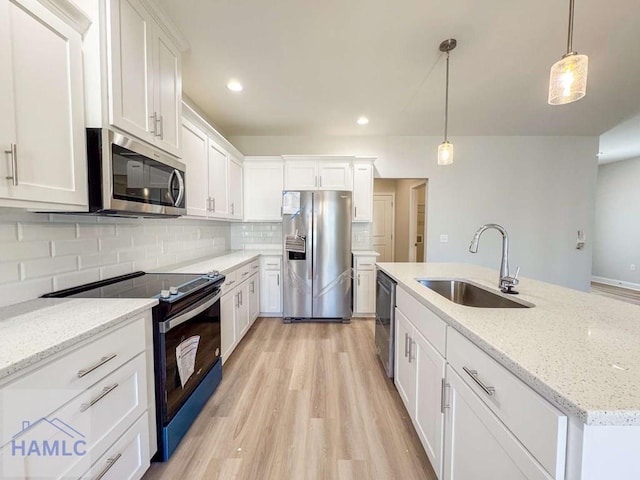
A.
pixel 577 351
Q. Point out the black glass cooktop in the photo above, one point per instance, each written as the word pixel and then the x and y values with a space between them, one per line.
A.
pixel 141 285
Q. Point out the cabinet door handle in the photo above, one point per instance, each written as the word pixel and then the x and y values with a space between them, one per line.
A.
pixel 98 364
pixel 253 287
pixel 278 279
pixel 161 127
pixel 14 164
pixel 213 204
pixel 406 347
pixel 105 391
pixel 110 462
pixel 315 182
pixel 412 344
pixel 320 181
pixel 443 405
pixel 474 376
pixel 241 298
pixel 154 122
pixel 358 279
pixel 356 212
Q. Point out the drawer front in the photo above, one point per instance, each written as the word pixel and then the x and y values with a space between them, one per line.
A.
pixel 432 327
pixel 43 391
pixel 244 272
pixel 82 430
pixel 127 459
pixel 255 266
pixel 536 423
pixel 365 263
pixel 230 282
pixel 271 263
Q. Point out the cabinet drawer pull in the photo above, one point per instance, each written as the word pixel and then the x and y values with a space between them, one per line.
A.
pixel 110 463
pixel 230 282
pixel 105 391
pixel 474 375
pixel 255 267
pixel 244 274
pixel 14 164
pixel 102 361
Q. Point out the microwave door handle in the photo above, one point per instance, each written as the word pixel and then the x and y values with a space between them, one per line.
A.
pixel 185 317
pixel 169 183
pixel 181 188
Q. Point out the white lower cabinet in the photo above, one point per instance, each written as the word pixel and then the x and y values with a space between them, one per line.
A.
pixel 89 408
pixel 271 286
pixel 495 426
pixel 238 305
pixel 419 374
pixel 364 285
pixel 479 446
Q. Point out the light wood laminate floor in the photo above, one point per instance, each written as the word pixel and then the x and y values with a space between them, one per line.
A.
pixel 302 401
pixel 619 293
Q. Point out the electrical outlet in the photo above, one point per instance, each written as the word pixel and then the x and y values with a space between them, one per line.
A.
pixel 444 238
pixel 632 267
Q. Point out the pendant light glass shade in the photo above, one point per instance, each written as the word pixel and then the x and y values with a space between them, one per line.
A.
pixel 568 79
pixel 445 153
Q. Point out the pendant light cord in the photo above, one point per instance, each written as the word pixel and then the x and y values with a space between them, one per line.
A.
pixel 570 34
pixel 446 101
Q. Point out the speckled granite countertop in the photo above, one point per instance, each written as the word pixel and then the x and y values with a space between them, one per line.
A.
pixel 578 350
pixel 34 330
pixel 223 263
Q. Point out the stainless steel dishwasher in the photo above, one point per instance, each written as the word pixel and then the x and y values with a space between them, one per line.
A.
pixel 385 320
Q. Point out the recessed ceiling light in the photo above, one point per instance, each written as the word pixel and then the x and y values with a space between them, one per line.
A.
pixel 362 120
pixel 234 86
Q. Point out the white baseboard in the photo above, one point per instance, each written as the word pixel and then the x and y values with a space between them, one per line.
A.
pixel 616 283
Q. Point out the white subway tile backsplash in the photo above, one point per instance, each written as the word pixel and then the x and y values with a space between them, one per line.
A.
pixel 74 247
pixel 46 267
pixel 25 290
pixel 24 250
pixel 62 251
pixel 46 231
pixel 108 244
pixel 8 232
pixel 95 231
pixel 115 270
pixel 9 272
pixel 96 260
pixel 73 279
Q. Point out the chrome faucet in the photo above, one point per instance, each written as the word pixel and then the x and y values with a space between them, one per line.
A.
pixel 506 282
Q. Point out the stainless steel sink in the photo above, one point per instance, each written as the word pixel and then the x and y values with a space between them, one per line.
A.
pixel 470 295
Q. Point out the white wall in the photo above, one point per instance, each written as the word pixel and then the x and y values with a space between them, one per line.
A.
pixel 40 253
pixel 542 189
pixel 617 222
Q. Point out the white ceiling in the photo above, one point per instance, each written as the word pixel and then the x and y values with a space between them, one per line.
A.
pixel 312 67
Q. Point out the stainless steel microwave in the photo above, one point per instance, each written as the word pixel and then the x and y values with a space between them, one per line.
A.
pixel 132 179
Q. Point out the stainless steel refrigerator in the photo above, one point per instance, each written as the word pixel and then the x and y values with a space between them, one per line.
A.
pixel 316 227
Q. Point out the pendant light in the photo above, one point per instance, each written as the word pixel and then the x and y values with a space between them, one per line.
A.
pixel 445 150
pixel 568 78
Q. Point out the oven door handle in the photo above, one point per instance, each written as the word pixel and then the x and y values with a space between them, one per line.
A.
pixel 185 317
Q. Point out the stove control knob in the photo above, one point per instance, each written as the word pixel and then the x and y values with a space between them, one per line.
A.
pixel 165 293
pixel 173 290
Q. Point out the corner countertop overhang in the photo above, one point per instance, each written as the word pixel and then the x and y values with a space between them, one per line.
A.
pixel 578 350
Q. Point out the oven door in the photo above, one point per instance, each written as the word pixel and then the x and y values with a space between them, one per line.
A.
pixel 188 347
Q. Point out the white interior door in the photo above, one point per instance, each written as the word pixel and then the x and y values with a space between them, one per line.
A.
pixel 383 225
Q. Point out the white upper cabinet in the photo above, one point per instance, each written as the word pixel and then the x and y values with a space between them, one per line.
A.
pixel 301 175
pixel 194 156
pixel 318 173
pixel 218 181
pixel 362 192
pixel 263 185
pixel 42 128
pixel 145 82
pixel 214 170
pixel 334 176
pixel 235 189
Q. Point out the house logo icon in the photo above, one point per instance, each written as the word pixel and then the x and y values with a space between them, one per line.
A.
pixel 63 441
